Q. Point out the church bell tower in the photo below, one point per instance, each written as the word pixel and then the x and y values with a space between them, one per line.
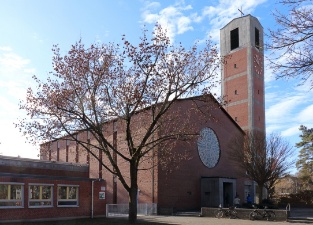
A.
pixel 242 49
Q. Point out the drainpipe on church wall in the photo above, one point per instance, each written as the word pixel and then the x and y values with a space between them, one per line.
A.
pixel 92 187
pixel 152 191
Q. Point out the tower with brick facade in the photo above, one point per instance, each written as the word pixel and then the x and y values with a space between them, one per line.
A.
pixel 241 44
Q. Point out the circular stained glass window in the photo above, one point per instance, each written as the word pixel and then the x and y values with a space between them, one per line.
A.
pixel 208 147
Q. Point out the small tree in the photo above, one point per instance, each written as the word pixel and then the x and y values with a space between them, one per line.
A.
pixel 263 160
pixel 305 159
pixel 135 85
pixel 292 41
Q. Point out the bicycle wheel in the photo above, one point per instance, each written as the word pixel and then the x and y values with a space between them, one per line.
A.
pixel 219 214
pixel 270 215
pixel 216 212
pixel 252 215
pixel 226 213
pixel 233 214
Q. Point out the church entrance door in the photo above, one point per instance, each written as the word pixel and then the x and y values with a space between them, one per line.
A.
pixel 217 191
pixel 228 194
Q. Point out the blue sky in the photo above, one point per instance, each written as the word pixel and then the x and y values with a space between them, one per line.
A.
pixel 29 29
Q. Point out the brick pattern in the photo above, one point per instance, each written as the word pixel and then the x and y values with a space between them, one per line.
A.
pixel 54 177
pixel 180 189
pixel 259 93
pixel 243 88
pixel 177 184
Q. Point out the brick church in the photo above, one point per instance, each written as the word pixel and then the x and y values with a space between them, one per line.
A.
pixel 207 178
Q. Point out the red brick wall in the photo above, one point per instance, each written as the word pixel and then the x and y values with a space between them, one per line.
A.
pixel 236 79
pixel 236 89
pixel 240 111
pixel 181 188
pixel 236 86
pixel 259 107
pixel 83 210
pixel 145 176
pixel 240 59
pixel 172 189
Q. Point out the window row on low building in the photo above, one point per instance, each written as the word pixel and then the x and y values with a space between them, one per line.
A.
pixel 39 195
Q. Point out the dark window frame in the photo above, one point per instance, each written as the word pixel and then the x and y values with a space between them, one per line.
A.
pixel 66 198
pixel 257 38
pixel 234 38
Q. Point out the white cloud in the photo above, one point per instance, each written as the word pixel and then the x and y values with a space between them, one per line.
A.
pixel 7 107
pixel 195 17
pixel 10 62
pixel 183 25
pixel 179 18
pixel 171 18
pixel 226 10
pixel 292 131
pixel 305 87
pixel 272 128
pixel 306 115
pixel 268 72
pixel 288 108
pixel 5 48
pixel 13 144
pixel 29 70
pixel 37 38
pixel 283 109
pixel 152 5
pixel 15 74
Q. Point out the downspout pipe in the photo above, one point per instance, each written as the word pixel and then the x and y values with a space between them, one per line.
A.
pixel 92 191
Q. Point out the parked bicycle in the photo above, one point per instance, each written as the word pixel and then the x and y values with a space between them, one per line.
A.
pixel 262 214
pixel 230 213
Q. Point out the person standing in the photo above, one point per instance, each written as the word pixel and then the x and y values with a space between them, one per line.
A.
pixel 236 201
pixel 249 199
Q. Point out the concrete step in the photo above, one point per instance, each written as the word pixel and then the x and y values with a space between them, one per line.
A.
pixel 197 214
pixel 300 220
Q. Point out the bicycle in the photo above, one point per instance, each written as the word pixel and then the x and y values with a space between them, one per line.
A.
pixel 230 213
pixel 262 214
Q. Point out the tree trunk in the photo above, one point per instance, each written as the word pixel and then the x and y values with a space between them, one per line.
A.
pixel 133 194
pixel 260 194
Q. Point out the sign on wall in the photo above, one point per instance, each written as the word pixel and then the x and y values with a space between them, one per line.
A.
pixel 101 195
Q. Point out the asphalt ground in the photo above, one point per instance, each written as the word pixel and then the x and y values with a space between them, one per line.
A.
pixel 181 220
pixel 162 220
pixel 178 220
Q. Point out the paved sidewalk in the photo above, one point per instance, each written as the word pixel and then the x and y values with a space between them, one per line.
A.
pixel 177 220
pixel 160 220
pixel 182 220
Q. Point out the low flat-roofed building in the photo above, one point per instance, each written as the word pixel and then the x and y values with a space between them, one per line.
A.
pixel 33 189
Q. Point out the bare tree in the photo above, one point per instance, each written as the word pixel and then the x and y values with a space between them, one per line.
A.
pixel 263 160
pixel 136 85
pixel 292 41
